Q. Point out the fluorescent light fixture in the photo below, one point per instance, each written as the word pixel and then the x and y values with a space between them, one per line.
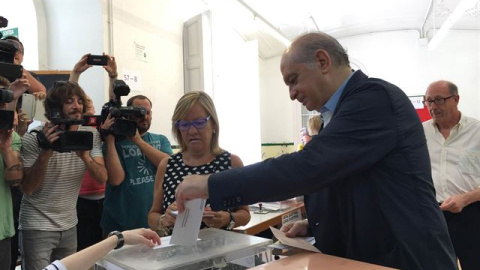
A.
pixel 272 31
pixel 267 25
pixel 456 14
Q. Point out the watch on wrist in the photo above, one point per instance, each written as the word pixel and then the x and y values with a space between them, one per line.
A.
pixel 231 224
pixel 121 239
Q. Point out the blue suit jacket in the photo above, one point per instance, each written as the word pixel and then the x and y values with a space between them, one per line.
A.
pixel 367 181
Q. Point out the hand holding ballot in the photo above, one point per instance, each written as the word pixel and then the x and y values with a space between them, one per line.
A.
pixel 294 229
pixel 192 187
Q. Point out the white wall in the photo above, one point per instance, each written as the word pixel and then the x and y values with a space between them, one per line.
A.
pixel 392 56
pixel 25 19
pixel 276 107
pixel 236 91
pixel 397 58
pixel 157 25
pixel 73 28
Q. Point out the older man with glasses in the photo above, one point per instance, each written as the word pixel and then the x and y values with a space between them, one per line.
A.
pixel 454 147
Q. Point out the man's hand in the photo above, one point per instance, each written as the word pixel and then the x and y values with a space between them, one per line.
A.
pixel 39 95
pixel 455 203
pixel 19 86
pixel 81 65
pixel 192 187
pixel 137 137
pixel 52 133
pixel 141 236
pixel 111 67
pixel 297 228
pixel 84 155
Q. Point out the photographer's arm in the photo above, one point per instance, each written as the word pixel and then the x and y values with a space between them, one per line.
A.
pixel 111 69
pixel 13 165
pixel 95 166
pixel 116 174
pixel 153 154
pixel 34 176
pixel 79 68
pixel 35 85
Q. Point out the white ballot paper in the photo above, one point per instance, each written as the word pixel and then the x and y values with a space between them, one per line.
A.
pixel 297 242
pixel 187 224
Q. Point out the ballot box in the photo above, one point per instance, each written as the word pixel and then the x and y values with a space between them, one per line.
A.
pixel 215 249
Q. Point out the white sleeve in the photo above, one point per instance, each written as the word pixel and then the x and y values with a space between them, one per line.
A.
pixel 56 265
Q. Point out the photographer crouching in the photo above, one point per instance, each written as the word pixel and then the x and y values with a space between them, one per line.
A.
pixel 56 157
pixel 131 163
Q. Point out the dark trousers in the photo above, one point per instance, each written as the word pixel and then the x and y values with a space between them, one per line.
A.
pixel 5 253
pixel 89 213
pixel 464 229
pixel 16 202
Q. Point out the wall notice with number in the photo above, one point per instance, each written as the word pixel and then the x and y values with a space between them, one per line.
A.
pixel 133 79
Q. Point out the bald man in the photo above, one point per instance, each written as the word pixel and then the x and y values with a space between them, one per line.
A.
pixel 366 176
pixel 454 144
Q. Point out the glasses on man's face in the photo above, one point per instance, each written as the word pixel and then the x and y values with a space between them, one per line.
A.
pixel 438 101
pixel 197 123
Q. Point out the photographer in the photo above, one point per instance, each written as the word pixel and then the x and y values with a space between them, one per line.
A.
pixel 36 87
pixel 11 174
pixel 132 166
pixel 52 179
pixel 92 194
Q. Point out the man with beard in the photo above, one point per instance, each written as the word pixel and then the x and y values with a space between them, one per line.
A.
pixel 52 180
pixel 132 166
pixel 454 147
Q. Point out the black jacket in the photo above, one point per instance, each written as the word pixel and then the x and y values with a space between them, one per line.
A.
pixel 367 181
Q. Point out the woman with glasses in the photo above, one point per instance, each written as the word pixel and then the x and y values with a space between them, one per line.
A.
pixel 196 128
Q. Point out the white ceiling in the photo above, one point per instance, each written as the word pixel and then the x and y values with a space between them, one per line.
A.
pixel 339 18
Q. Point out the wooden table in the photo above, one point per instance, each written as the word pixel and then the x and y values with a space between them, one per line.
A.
pixel 261 222
pixel 318 261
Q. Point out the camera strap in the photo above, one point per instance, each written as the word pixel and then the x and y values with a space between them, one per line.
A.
pixel 42 139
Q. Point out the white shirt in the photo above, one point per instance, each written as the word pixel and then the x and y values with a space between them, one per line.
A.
pixel 455 160
pixel 56 265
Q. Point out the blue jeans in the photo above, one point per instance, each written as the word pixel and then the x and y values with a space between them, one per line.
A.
pixel 40 248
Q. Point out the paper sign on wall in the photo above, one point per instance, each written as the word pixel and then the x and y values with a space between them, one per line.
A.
pixel 140 52
pixel 133 79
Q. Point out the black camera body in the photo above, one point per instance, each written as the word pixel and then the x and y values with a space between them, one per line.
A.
pixel 122 127
pixel 9 71
pixel 71 140
pixel 97 60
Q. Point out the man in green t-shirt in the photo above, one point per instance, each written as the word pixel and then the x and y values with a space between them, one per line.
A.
pixel 10 173
pixel 132 165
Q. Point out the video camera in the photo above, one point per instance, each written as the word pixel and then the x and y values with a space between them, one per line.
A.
pixel 9 71
pixel 68 140
pixel 122 127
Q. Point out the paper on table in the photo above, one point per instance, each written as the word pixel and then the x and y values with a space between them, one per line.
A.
pixel 297 242
pixel 164 242
pixel 187 224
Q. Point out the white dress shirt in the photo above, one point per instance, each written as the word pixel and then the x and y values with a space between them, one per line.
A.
pixel 455 160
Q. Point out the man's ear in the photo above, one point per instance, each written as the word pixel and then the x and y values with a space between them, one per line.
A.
pixel 324 62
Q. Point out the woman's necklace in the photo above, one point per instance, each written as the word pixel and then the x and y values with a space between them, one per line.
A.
pixel 197 161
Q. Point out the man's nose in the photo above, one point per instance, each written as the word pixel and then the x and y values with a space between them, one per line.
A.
pixel 293 93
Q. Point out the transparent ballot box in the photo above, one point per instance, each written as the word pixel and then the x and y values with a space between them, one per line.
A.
pixel 214 249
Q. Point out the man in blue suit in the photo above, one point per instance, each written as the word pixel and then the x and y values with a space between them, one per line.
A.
pixel 366 177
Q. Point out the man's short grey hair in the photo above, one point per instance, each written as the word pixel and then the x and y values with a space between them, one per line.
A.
pixel 452 88
pixel 303 49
